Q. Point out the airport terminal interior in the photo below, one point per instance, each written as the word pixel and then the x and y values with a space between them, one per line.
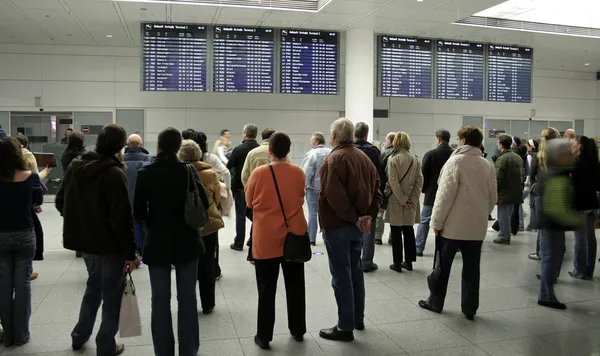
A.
pixel 508 67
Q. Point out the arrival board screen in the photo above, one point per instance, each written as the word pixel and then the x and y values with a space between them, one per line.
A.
pixel 174 57
pixel 509 73
pixel 459 70
pixel 309 62
pixel 243 59
pixel 405 67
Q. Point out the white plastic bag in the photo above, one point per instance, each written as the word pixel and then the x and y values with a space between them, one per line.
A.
pixel 130 324
pixel 226 200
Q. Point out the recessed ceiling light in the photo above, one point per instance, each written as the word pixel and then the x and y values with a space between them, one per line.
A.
pixel 419 0
pixel 587 64
pixel 109 36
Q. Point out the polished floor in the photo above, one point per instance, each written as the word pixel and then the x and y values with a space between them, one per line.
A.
pixel 509 321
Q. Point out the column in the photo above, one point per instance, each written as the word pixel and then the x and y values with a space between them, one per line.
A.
pixel 360 76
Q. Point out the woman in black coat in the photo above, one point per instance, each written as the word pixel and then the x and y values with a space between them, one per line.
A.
pixel 75 148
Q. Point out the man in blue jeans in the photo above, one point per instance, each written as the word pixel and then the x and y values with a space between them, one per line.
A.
pixel 310 165
pixel 433 161
pixel 348 200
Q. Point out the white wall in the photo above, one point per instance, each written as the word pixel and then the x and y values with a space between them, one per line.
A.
pixel 102 79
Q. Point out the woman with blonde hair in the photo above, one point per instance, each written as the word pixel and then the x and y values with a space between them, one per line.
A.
pixel 405 181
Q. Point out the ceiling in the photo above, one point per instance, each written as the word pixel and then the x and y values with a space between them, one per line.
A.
pixel 88 22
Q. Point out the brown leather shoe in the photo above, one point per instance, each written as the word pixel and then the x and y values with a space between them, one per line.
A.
pixel 34 276
pixel 120 349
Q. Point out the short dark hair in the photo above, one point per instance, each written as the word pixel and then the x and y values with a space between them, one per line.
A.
pixel 251 131
pixel 505 141
pixel 75 143
pixel 280 144
pixel 361 130
pixel 169 141
pixel 518 141
pixel 69 129
pixel 267 133
pixel 200 138
pixel 223 132
pixel 187 134
pixel 111 139
pixel 11 158
pixel 472 135
pixel 23 140
pixel 443 135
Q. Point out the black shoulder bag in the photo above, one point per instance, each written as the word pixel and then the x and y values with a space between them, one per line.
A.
pixel 296 248
pixel 195 214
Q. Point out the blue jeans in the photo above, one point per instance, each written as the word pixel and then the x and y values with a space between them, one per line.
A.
pixel 312 199
pixel 240 217
pixel 104 286
pixel 369 245
pixel 423 229
pixel 584 261
pixel 187 309
pixel 344 246
pixel 16 263
pixel 504 214
pixel 552 245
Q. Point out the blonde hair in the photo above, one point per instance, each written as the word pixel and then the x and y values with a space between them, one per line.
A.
pixel 549 133
pixel 402 140
pixel 189 151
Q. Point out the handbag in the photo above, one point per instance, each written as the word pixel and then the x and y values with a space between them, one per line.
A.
pixel 436 271
pixel 195 214
pixel 130 324
pixel 226 199
pixel 388 190
pixel 296 248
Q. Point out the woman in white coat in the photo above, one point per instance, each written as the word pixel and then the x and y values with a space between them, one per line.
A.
pixel 405 181
pixel 465 197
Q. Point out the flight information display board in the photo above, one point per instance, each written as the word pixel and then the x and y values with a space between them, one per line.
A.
pixel 173 57
pixel 405 67
pixel 243 59
pixel 309 62
pixel 460 70
pixel 509 73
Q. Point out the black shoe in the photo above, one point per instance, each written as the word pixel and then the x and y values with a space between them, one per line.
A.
pixel 490 218
pixel 313 244
pixel 263 345
pixel 423 304
pixel 76 347
pixel 298 338
pixel 470 317
pixel 396 268
pixel 336 335
pixel 407 265
pixel 378 242
pixel 539 276
pixel 390 242
pixel 359 325
pixel 419 254
pixel 553 305
pixel 207 311
pixel 78 254
pixel 249 243
pixel 236 248
pixel 370 268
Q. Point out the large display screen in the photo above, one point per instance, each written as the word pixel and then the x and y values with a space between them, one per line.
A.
pixel 405 67
pixel 309 62
pixel 243 59
pixel 460 70
pixel 173 57
pixel 509 73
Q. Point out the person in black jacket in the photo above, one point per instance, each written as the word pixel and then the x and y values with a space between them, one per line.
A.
pixel 433 161
pixel 235 165
pixel 159 206
pixel 361 133
pixel 75 148
pixel 94 202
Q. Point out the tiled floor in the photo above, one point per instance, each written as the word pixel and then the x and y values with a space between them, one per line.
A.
pixel 509 321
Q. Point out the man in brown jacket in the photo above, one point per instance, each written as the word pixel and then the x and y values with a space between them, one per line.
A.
pixel 348 201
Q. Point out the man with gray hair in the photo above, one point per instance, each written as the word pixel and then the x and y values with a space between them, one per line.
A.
pixel 348 200
pixel 310 165
pixel 388 149
pixel 236 165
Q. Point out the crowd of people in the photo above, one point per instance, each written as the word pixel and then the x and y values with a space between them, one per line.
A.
pixel 119 204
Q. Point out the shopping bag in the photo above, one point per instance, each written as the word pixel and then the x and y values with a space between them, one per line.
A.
pixel 226 200
pixel 130 324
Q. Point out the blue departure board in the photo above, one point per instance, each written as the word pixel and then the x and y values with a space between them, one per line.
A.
pixel 243 59
pixel 309 62
pixel 173 57
pixel 509 73
pixel 460 70
pixel 405 67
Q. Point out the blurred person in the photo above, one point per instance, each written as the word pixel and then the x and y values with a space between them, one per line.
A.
pixel 467 194
pixel 361 133
pixel 509 179
pixel 190 152
pixel 21 190
pixel 570 135
pixel 433 161
pixel 517 223
pixel 555 216
pixel 311 164
pixel 586 180
pixel 349 197
pixel 221 146
pixel 385 155
pixel 405 183
pixel 75 148
pixel 236 165
pixel 94 203
pixel 269 187
pixel 65 140
pixel 532 147
pixel 159 205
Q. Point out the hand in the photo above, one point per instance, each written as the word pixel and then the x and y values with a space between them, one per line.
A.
pixel 129 266
pixel 48 169
pixel 364 224
pixel 409 204
pixel 437 232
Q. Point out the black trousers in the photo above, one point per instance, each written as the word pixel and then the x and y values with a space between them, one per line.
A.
pixel 267 272
pixel 410 246
pixel 471 255
pixel 206 271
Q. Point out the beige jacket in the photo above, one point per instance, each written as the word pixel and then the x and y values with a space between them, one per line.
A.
pixel 465 197
pixel 256 158
pixel 409 189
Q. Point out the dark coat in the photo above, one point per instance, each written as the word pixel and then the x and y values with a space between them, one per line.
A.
pixel 92 199
pixel 433 161
pixel 509 176
pixel 236 162
pixel 586 181
pixel 135 159
pixel 160 196
pixel 372 152
pixel 67 157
